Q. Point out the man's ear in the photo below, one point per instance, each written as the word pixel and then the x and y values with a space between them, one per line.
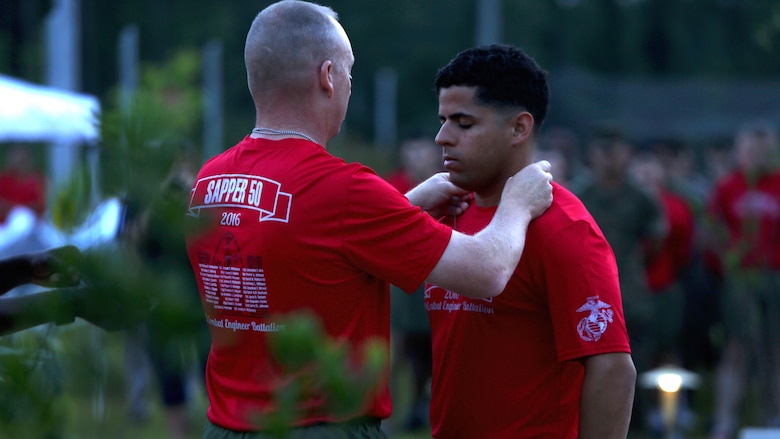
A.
pixel 523 126
pixel 326 77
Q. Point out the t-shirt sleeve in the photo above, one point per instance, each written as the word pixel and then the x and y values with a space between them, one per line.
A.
pixel 581 279
pixel 387 237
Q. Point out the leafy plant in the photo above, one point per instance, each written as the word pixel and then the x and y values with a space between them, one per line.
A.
pixel 317 364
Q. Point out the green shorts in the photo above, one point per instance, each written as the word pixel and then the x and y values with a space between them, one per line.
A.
pixel 366 428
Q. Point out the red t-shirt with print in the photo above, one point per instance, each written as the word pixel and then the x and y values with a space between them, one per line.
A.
pixel 506 367
pixel 283 226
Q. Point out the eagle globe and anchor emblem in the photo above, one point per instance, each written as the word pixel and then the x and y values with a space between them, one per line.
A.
pixel 593 326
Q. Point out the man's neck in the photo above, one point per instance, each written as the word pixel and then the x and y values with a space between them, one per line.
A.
pixel 489 197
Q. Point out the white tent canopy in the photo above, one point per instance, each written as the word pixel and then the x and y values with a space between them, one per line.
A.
pixel 35 113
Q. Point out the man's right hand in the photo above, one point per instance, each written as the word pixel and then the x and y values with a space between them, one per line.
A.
pixel 530 188
pixel 55 267
pixel 438 196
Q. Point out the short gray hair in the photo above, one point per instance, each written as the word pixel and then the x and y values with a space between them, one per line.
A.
pixel 287 41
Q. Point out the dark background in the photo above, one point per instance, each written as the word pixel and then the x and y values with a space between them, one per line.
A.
pixel 686 68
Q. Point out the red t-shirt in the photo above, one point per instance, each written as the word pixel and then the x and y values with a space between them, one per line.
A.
pixel 506 367
pixel 676 249
pixel 751 213
pixel 286 226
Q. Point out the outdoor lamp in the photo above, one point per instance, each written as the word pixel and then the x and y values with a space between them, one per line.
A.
pixel 669 380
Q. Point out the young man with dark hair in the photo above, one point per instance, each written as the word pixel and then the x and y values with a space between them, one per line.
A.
pixel 549 356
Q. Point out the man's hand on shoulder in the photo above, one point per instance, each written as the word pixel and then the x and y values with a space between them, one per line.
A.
pixel 531 188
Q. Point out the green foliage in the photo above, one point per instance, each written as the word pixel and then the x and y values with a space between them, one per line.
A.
pixel 71 201
pixel 145 144
pixel 145 136
pixel 767 33
pixel 30 380
pixel 317 364
pixel 147 132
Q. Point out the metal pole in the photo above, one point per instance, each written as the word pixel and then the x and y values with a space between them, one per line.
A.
pixel 488 22
pixel 62 71
pixel 385 125
pixel 128 65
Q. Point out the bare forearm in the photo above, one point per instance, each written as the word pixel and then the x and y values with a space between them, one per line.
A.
pixel 23 312
pixel 607 397
pixel 500 246
pixel 415 198
pixel 480 266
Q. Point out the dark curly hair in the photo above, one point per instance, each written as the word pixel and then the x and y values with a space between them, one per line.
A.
pixel 505 77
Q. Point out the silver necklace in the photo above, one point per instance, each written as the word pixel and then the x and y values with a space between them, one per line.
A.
pixel 282 133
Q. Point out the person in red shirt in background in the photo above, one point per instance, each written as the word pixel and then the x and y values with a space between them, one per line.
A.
pixel 665 264
pixel 666 269
pixel 549 357
pixel 744 208
pixel 21 184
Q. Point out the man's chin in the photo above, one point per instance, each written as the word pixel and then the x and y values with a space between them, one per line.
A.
pixel 461 182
